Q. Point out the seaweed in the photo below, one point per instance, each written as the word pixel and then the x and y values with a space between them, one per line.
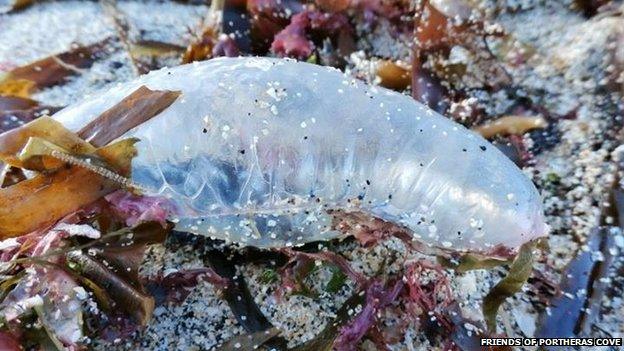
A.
pixel 251 341
pixel 333 5
pixel 519 272
pixel 15 111
pixel 269 17
pixel 239 298
pixel 107 265
pixel 138 107
pixel 11 103
pixel 15 5
pixel 58 194
pixel 122 28
pixel 225 46
pixel 573 311
pixel 13 142
pixel 439 27
pixel 175 287
pixel 154 48
pixel 324 341
pixel 590 8
pixel 85 180
pixel 432 33
pixel 337 280
pixel 120 293
pixel 52 70
pixel 202 48
pixel 143 54
pixel 11 119
pixel 110 269
pixel 300 260
pixel 37 286
pixel 432 297
pixel 515 125
pixel 468 262
pixel 136 209
pixel 306 30
pixel 9 342
pixel 269 276
pixel 394 75
pixel 378 297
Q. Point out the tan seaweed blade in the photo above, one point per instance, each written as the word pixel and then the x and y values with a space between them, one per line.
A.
pixel 39 202
pixel 52 70
pixel 130 112
pixel 514 125
pixel 13 141
pixel 56 192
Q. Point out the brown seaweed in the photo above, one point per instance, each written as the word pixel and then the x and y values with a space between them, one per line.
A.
pixel 238 296
pixel 438 27
pixel 519 272
pixel 11 119
pixel 572 313
pixel 394 75
pixel 112 273
pixel 15 5
pixel 251 341
pixel 50 71
pixel 16 111
pixel 45 128
pixel 590 8
pixel 11 103
pixel 59 194
pixel 467 262
pixel 124 253
pixel 176 287
pixel 136 108
pixel 134 302
pixel 515 125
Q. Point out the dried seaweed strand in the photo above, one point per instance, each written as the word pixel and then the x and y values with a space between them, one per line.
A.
pixel 100 170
